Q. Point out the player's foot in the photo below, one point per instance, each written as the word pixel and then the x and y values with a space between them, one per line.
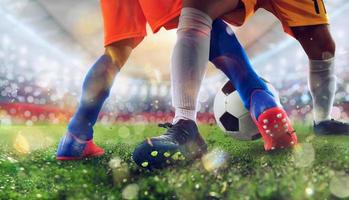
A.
pixel 72 148
pixel 331 127
pixel 272 122
pixel 182 142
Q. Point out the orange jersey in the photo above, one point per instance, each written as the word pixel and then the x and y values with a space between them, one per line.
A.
pixel 291 13
pixel 127 19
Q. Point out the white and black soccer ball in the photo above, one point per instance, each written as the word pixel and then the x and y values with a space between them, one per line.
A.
pixel 231 115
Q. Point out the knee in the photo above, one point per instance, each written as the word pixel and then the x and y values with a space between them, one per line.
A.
pixel 316 41
pixel 328 49
pixel 118 52
pixel 326 45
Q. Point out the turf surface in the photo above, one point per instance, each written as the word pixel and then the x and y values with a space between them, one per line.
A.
pixel 318 169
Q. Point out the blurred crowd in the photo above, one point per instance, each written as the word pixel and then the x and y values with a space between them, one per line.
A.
pixel 34 73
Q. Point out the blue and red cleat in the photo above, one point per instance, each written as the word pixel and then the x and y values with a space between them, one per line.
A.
pixel 272 121
pixel 73 148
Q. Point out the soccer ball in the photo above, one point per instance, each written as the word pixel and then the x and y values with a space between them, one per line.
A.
pixel 231 115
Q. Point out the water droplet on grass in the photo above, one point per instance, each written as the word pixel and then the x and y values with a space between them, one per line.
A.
pixel 197 186
pixel 12 160
pixel 214 194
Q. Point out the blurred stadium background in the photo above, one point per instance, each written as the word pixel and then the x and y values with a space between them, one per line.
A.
pixel 47 46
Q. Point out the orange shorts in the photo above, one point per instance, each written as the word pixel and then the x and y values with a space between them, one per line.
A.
pixel 291 13
pixel 127 19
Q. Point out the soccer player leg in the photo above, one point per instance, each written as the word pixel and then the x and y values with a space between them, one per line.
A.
pixel 182 140
pixel 322 79
pixel 124 29
pixel 77 143
pixel 228 55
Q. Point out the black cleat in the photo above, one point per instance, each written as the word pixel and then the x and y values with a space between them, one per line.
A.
pixel 181 143
pixel 331 127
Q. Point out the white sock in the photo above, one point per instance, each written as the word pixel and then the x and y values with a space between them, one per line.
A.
pixel 322 85
pixel 189 61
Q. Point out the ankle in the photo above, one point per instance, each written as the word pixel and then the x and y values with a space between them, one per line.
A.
pixel 184 114
pixel 260 101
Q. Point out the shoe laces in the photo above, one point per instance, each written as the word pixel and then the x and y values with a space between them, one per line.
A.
pixel 339 122
pixel 333 121
pixel 176 131
pixel 166 125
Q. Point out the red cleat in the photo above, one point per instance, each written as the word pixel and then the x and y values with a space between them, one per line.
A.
pixel 276 129
pixel 72 148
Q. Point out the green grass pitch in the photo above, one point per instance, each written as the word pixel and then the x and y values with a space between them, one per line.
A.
pixel 318 169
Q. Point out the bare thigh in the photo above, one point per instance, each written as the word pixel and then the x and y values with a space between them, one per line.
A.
pixel 214 8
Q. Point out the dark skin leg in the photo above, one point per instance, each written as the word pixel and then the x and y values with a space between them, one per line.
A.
pixel 316 41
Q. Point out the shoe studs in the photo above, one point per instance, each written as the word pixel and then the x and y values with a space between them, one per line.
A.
pixel 145 164
pixel 167 154
pixel 154 153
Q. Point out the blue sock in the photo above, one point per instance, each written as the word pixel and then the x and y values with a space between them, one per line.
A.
pixel 227 54
pixel 261 101
pixel 95 91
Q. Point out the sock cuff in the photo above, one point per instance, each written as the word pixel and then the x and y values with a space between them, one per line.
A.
pixel 184 114
pixel 321 65
pixel 192 18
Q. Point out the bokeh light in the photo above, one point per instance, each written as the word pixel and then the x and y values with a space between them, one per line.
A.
pixel 130 191
pixel 214 160
pixel 120 170
pixel 21 144
pixel 339 185
pixel 303 155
